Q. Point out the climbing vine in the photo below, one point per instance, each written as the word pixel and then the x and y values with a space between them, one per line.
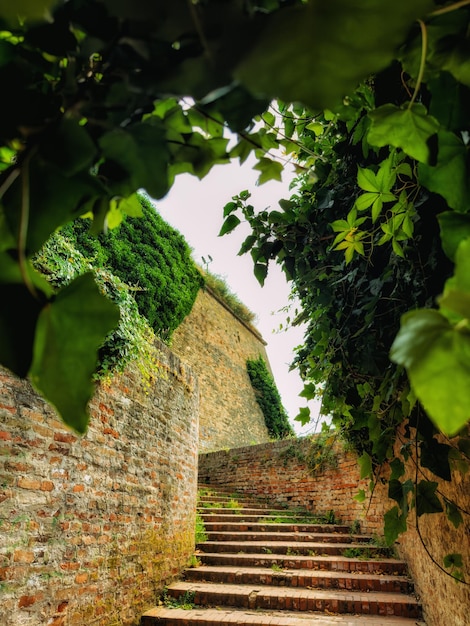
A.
pixel 103 99
pixel 268 398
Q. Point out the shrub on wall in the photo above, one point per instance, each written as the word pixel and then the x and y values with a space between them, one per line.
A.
pixel 267 396
pixel 222 291
pixel 60 262
pixel 153 258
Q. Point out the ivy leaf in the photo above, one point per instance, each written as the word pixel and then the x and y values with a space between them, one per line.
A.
pixel 303 416
pixel 407 128
pixel 426 498
pixel 136 157
pixel 19 312
pixel 395 524
pixel 26 9
pixel 453 514
pixel 229 224
pixel 437 358
pixel 131 206
pixel 450 176
pixel 455 227
pixel 453 560
pixel 55 199
pixel 247 244
pixel 360 496
pixel 435 456
pixel 260 270
pixel 342 43
pixel 309 391
pixel 398 468
pixel 365 464
pixel 69 332
pixel 69 147
pixel 270 170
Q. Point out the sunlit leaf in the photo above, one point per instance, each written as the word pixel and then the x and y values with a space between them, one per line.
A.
pixel 437 358
pixel 69 332
pixel 303 416
pixel 365 464
pixel 407 128
pixel 270 170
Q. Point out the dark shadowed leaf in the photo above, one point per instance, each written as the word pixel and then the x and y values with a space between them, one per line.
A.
pixel 342 42
pixel 69 332
pixel 426 498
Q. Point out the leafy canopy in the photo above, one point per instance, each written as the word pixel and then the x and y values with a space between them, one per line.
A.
pixel 105 98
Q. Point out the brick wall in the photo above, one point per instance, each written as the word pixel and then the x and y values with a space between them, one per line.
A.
pixel 92 527
pixel 277 472
pixel 216 345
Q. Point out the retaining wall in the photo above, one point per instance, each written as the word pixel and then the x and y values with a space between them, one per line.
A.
pixel 92 527
pixel 216 344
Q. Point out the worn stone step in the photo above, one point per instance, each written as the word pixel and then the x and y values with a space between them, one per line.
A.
pixel 250 510
pixel 267 534
pixel 267 526
pixel 305 578
pixel 308 548
pixel 292 599
pixel 210 517
pixel 237 617
pixel 325 563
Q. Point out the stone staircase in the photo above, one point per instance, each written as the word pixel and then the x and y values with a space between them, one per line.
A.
pixel 261 566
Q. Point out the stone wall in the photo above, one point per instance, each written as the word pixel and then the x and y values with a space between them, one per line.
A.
pixel 92 527
pixel 216 344
pixel 279 473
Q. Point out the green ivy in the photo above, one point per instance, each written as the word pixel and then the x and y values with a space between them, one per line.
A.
pixel 152 258
pixel 267 396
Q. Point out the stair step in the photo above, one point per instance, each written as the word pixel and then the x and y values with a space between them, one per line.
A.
pixel 267 526
pixel 237 617
pixel 300 578
pixel 267 534
pixel 250 510
pixel 293 599
pixel 308 548
pixel 209 517
pixel 324 563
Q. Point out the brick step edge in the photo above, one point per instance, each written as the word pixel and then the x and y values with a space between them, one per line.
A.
pixel 300 578
pixel 288 535
pixel 235 617
pixel 280 598
pixel 316 563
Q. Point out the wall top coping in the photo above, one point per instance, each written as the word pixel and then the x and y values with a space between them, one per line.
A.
pixel 249 327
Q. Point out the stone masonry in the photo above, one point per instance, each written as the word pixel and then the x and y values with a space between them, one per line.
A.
pixel 92 527
pixel 216 344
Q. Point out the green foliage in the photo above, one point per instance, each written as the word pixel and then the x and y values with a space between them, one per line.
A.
pixel 267 396
pixel 87 121
pixel 200 532
pixel 219 286
pixel 153 258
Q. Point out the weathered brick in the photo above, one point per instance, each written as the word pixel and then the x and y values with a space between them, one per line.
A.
pixel 85 508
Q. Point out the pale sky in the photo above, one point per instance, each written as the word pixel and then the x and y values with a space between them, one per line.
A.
pixel 195 208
